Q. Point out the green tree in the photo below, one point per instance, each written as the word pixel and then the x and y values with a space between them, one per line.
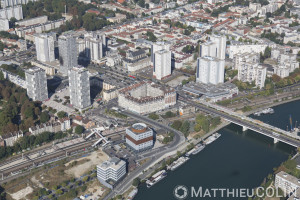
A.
pixel 44 117
pixel 185 128
pixel 151 36
pixel 136 182
pixel 153 116
pixel 12 22
pixel 79 129
pixel 85 179
pixel 61 114
pixel 176 124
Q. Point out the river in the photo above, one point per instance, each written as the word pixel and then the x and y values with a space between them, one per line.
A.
pixel 236 160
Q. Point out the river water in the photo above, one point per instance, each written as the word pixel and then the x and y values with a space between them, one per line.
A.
pixel 236 160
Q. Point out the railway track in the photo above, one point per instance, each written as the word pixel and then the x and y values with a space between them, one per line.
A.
pixel 63 152
pixel 50 157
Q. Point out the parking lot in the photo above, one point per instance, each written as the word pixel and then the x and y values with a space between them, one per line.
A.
pixel 59 105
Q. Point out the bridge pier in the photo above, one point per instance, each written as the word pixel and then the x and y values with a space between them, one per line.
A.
pixel 275 140
pixel 245 128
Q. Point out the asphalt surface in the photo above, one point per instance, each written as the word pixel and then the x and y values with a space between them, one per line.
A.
pixel 153 155
pixel 251 126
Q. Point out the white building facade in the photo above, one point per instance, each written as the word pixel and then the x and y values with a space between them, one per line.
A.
pixel 252 72
pixel 210 70
pixel 44 44
pixel 112 169
pixel 79 86
pixel 287 183
pixel 162 64
pixel 36 81
pixel 67 53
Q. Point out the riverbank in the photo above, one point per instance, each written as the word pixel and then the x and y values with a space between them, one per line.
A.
pixel 272 105
pixel 236 160
pixel 229 152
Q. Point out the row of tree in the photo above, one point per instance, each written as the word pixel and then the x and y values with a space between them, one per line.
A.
pixel 184 127
pixel 206 123
pixel 18 111
pixel 29 142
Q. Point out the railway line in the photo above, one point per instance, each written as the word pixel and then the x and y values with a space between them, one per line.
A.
pixel 58 154
pixel 30 163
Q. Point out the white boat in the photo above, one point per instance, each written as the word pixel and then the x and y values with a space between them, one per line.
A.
pixel 190 152
pixel 180 161
pixel 198 148
pixel 132 194
pixel 209 140
pixel 217 135
pixel 264 111
pixel 156 178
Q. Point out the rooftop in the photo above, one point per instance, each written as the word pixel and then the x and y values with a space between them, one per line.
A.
pixel 113 163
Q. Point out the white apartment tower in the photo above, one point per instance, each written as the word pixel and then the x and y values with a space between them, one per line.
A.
pixel 210 70
pixel 79 86
pixel 12 3
pixel 36 81
pixel 215 47
pixel 252 72
pixel 44 44
pixel 4 24
pixel 156 47
pixel 162 64
pixel 220 42
pixel 9 12
pixel 112 169
pixel 94 48
pixel 67 53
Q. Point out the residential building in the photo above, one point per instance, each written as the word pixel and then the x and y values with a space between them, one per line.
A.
pixel 10 138
pixel 210 70
pixel 252 72
pixel 33 21
pixel 12 3
pixel 111 170
pixel 79 86
pixel 94 49
pixel 65 123
pixel 4 24
pixel 44 44
pixel 26 31
pixel 14 78
pixel 287 183
pixel 146 97
pixel 67 53
pixel 220 43
pixel 139 137
pixel 46 127
pixel 282 70
pixel 238 47
pixel 36 81
pixel 158 46
pixel 214 47
pixel 91 46
pixel 249 69
pixel 241 58
pixel 9 12
pixel 162 64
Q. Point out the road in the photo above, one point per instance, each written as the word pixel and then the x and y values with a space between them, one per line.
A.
pixel 153 155
pixel 240 122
